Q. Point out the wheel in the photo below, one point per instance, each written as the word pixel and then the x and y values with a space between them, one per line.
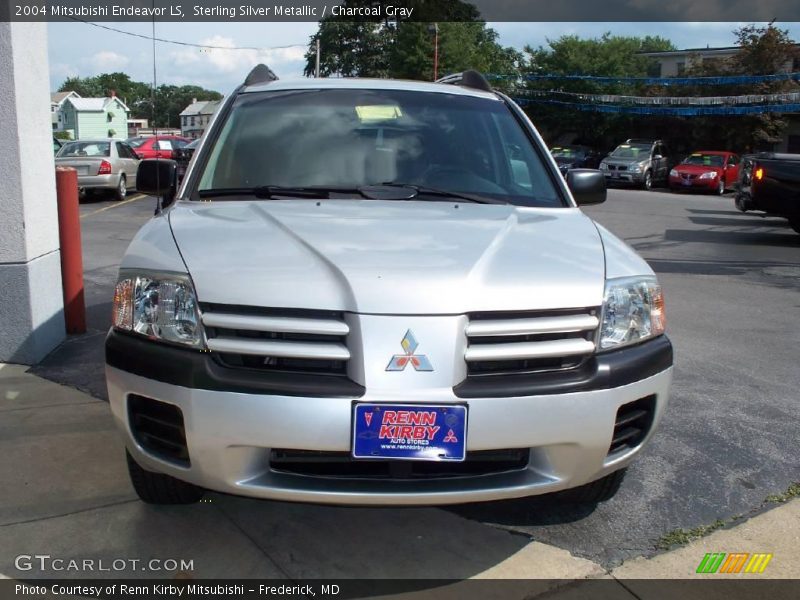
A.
pixel 122 188
pixel 157 488
pixel 794 222
pixel 648 180
pixel 721 186
pixel 596 491
pixel 740 200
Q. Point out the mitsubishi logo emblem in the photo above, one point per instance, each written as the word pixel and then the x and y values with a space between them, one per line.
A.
pixel 420 362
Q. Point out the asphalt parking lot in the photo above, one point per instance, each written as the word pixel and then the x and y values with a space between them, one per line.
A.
pixel 728 440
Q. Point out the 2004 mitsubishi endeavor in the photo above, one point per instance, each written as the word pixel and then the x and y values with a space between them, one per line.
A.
pixel 381 292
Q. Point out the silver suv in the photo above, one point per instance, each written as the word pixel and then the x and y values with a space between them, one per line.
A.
pixel 381 292
pixel 642 163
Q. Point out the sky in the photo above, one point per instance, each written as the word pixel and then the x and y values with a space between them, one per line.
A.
pixel 80 49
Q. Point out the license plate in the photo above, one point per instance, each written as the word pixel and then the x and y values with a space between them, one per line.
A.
pixel 410 432
pixel 82 170
pixel 615 175
pixel 687 182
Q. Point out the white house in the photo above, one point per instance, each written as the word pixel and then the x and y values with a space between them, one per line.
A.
pixel 196 117
pixel 56 104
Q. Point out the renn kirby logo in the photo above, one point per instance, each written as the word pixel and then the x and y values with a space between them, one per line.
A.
pixel 736 562
pixel 420 362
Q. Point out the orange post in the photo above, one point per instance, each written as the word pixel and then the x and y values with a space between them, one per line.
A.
pixel 69 233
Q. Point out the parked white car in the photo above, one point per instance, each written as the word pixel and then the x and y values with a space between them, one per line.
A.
pixel 381 292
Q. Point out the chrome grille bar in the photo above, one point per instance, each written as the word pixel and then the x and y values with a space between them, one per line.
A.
pixel 280 348
pixel 526 350
pixel 532 326
pixel 276 324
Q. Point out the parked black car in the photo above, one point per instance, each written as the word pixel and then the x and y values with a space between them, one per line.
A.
pixel 183 155
pixel 770 182
pixel 575 157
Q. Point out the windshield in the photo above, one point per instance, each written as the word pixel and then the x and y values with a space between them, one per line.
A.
pixel 632 151
pixel 349 138
pixel 706 160
pixel 85 149
pixel 562 152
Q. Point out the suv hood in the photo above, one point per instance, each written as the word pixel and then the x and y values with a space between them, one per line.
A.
pixel 395 257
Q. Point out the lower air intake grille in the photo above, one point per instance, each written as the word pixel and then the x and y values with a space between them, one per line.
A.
pixel 632 424
pixel 158 428
pixel 342 465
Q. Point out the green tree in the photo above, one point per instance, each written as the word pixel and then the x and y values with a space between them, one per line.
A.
pixel 606 56
pixel 405 48
pixel 765 50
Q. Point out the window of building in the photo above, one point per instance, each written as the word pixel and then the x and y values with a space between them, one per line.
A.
pixel 681 69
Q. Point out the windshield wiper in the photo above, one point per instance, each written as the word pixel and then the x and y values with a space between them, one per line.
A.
pixel 423 190
pixel 271 192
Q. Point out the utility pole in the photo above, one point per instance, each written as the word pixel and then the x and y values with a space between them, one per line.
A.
pixel 316 70
pixel 435 29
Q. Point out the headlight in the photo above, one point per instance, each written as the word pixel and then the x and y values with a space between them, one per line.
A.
pixel 161 307
pixel 708 175
pixel 635 168
pixel 603 166
pixel 633 311
pixel 674 173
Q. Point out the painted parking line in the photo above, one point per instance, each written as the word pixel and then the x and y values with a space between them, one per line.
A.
pixel 133 198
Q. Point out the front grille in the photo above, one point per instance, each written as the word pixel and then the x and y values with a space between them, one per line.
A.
pixel 529 342
pixel 158 428
pixel 280 340
pixel 342 465
pixel 622 168
pixel 632 424
pixel 612 167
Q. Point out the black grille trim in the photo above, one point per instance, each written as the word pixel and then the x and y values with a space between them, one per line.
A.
pixel 158 428
pixel 632 424
pixel 342 465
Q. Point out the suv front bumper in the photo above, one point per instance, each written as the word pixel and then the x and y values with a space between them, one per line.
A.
pixel 230 434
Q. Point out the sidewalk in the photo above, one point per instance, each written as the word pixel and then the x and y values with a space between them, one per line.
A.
pixel 66 491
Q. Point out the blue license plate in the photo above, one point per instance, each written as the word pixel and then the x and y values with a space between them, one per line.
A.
pixel 410 432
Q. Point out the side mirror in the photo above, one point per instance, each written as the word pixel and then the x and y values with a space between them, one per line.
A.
pixel 588 186
pixel 157 177
pixel 657 157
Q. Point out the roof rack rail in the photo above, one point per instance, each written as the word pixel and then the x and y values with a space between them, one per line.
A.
pixel 471 79
pixel 261 73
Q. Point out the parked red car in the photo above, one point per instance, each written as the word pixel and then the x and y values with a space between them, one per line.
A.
pixel 705 170
pixel 157 146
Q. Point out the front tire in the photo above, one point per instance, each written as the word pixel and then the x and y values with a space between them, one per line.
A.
pixel 122 189
pixel 157 488
pixel 721 186
pixel 794 222
pixel 648 180
pixel 596 491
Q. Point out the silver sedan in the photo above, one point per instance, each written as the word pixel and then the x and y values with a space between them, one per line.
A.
pixel 103 164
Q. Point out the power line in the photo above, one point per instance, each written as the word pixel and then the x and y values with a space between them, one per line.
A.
pixel 177 43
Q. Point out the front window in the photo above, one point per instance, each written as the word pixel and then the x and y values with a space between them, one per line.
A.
pixel 136 142
pixel 353 138
pixel 85 149
pixel 632 151
pixel 705 160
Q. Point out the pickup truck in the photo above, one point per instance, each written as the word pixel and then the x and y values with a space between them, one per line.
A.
pixel 770 182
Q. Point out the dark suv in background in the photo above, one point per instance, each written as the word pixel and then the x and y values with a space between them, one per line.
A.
pixel 641 163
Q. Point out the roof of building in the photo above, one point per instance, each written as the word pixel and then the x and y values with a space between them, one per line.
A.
pixel 59 97
pixel 94 104
pixel 706 50
pixel 203 107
